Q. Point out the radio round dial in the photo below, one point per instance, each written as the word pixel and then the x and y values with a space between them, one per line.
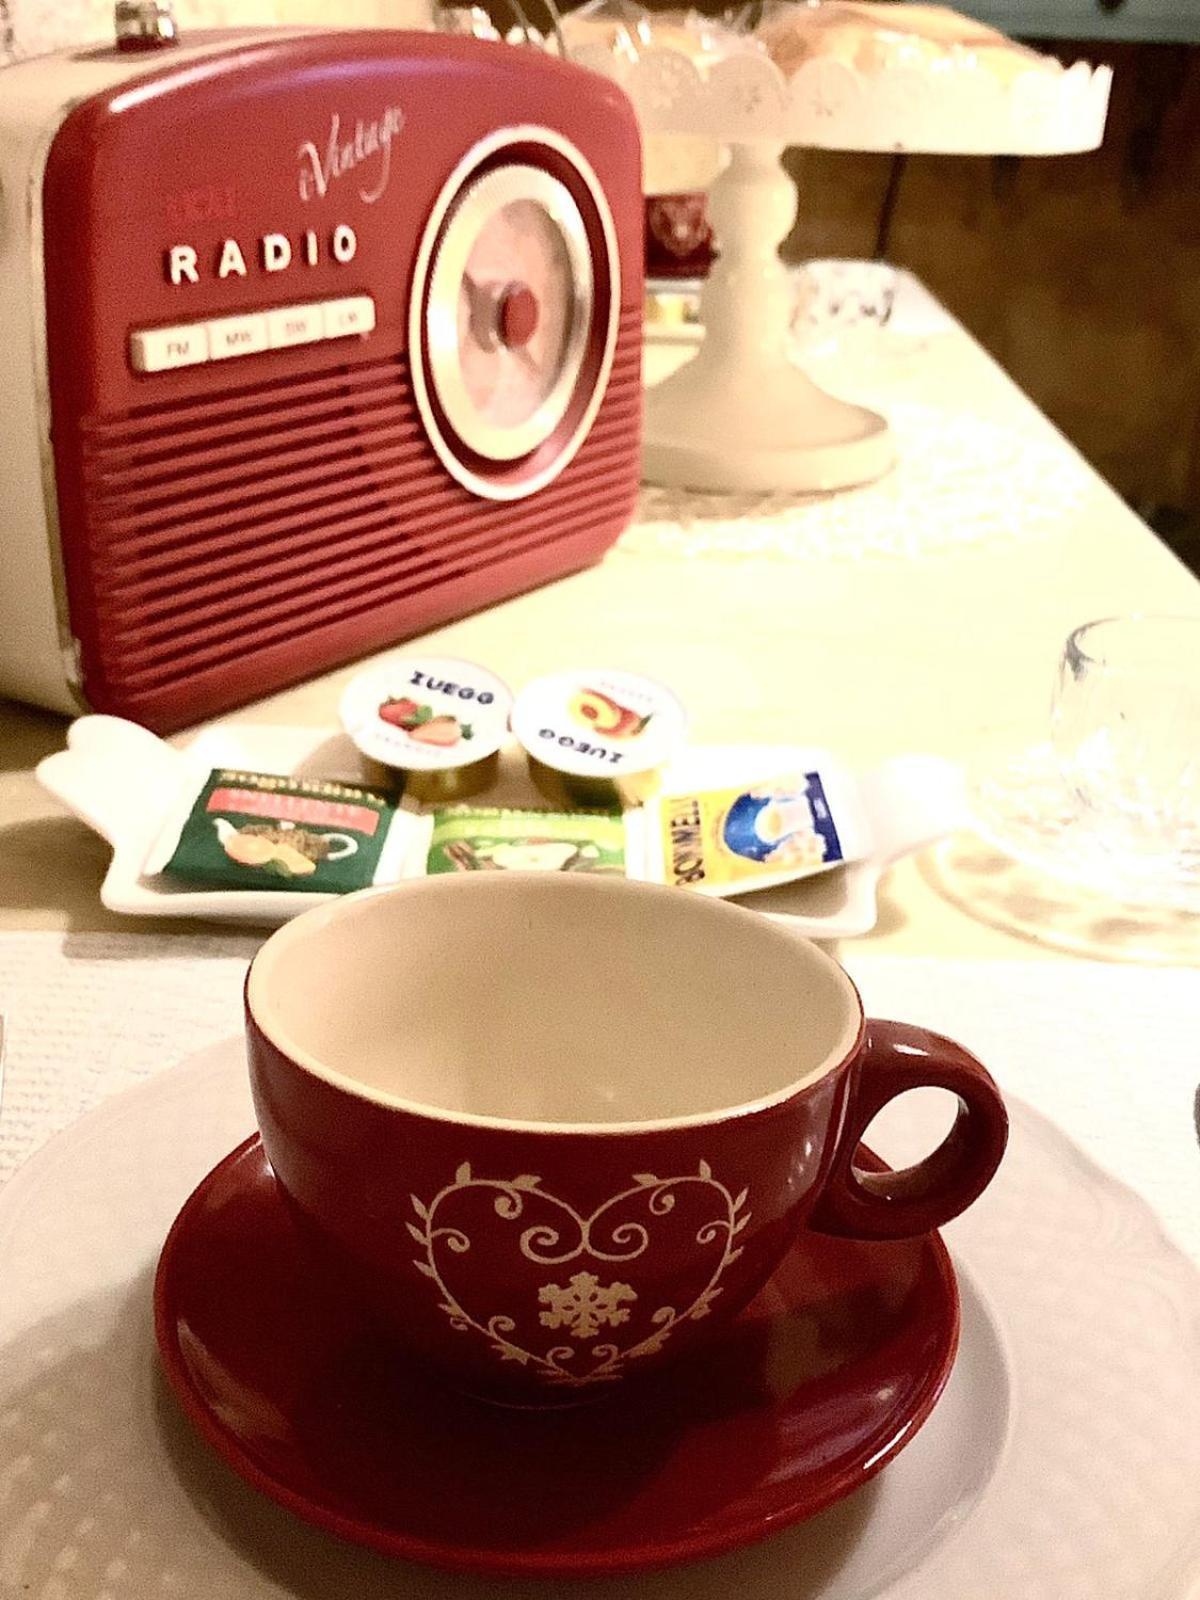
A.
pixel 510 306
pixel 514 316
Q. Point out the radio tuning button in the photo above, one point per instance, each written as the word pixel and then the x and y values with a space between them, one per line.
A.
pixel 144 24
pixel 237 336
pixel 295 325
pixel 356 314
pixel 160 349
pixel 518 315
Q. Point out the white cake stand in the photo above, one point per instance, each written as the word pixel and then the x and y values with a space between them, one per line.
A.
pixel 742 415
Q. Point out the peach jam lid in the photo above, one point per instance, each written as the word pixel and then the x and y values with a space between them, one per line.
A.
pixel 600 723
pixel 426 713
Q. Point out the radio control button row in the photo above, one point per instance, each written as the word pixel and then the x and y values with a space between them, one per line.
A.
pixel 190 344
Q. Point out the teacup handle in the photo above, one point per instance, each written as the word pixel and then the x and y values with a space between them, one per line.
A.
pixel 899 1205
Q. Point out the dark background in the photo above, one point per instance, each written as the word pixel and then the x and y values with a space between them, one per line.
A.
pixel 1081 274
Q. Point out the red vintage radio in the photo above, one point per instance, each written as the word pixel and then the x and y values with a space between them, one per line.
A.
pixel 312 340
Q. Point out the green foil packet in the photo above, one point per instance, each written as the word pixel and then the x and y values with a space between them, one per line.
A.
pixel 482 839
pixel 253 830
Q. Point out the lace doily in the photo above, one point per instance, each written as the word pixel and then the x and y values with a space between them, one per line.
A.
pixel 959 480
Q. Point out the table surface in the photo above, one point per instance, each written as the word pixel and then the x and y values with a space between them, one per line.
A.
pixel 948 645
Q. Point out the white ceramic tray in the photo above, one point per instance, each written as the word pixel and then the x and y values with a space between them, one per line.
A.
pixel 122 781
pixel 1063 1462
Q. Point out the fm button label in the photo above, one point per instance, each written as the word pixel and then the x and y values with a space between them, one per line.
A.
pixel 159 349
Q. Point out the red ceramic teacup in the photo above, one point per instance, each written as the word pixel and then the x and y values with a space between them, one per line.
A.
pixel 557 1129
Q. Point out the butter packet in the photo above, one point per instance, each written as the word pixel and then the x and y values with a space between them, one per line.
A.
pixel 732 840
pixel 491 839
pixel 254 830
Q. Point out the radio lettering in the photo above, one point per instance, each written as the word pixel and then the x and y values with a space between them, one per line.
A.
pixel 181 264
pixel 231 260
pixel 370 141
pixel 275 252
pixel 208 202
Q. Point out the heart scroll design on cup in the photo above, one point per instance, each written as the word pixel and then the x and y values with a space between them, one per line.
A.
pixel 646 1260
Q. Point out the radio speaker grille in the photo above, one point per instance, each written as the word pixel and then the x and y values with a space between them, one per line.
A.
pixel 231 546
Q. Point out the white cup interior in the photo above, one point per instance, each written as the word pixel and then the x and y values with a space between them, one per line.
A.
pixel 552 1000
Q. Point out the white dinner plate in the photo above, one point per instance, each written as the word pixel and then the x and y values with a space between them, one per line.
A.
pixel 1063 1462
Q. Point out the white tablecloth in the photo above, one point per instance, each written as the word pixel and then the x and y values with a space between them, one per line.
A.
pixel 1111 1054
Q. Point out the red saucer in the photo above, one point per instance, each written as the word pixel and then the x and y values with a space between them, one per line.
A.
pixel 818 1385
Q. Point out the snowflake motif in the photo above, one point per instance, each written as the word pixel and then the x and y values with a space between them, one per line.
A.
pixel 585 1305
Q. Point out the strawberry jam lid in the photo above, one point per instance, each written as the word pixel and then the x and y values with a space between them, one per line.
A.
pixel 599 724
pixel 426 713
